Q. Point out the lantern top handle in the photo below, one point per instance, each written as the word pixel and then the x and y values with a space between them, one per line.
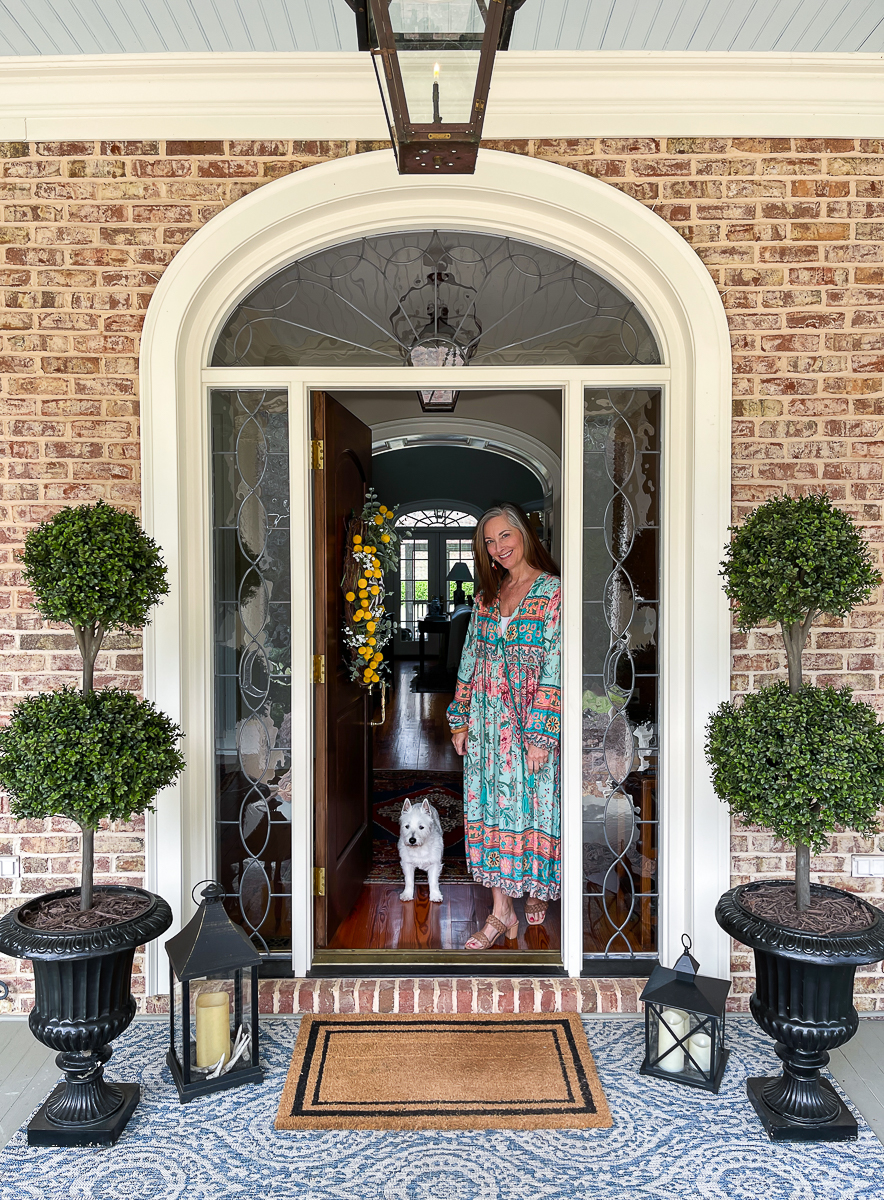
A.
pixel 214 892
pixel 687 966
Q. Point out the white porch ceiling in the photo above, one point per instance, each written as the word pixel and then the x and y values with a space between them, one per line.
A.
pixel 73 27
pixel 783 26
pixel 173 26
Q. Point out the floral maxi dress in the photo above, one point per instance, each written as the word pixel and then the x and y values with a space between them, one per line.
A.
pixel 508 684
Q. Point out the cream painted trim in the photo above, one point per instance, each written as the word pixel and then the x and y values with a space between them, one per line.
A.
pixel 536 94
pixel 528 199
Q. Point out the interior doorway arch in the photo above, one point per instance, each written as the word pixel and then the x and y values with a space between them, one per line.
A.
pixel 528 199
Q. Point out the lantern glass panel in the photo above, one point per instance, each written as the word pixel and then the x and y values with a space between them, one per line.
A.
pixel 438 43
pixel 454 74
pixel 212 1004
pixel 444 23
pixel 176 1001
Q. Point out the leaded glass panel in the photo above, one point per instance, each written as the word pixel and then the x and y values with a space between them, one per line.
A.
pixel 252 604
pixel 435 296
pixel 621 637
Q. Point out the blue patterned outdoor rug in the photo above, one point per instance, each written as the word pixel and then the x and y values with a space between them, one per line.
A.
pixel 668 1142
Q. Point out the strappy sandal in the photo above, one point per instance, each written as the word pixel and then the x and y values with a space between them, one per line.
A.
pixel 485 942
pixel 535 911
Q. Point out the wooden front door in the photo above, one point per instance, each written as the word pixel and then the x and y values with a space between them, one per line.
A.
pixel 342 779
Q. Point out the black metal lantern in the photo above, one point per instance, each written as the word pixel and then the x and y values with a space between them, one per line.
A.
pixel 213 1002
pixel 437 57
pixel 684 1024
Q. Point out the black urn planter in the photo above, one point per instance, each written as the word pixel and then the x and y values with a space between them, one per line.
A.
pixel 803 999
pixel 83 1001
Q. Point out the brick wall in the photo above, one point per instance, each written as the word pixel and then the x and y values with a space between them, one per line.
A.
pixel 790 230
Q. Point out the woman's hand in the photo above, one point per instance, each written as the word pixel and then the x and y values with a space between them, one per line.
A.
pixel 459 741
pixel 535 757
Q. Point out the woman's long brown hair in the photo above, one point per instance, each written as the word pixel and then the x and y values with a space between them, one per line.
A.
pixel 489 579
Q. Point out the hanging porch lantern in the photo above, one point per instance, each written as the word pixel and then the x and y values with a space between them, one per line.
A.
pixel 684 1024
pixel 213 1002
pixel 433 60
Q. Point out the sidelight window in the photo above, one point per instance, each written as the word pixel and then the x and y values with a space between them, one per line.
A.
pixel 621 640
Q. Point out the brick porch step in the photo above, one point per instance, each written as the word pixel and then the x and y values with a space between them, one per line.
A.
pixel 476 995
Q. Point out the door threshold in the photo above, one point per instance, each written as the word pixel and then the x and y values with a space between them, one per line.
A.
pixel 410 963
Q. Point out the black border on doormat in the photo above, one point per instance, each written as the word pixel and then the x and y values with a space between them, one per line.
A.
pixel 575 1097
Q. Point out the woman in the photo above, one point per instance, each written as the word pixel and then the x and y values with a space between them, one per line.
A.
pixel 505 717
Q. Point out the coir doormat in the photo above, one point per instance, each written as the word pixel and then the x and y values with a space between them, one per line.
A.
pixel 457 1071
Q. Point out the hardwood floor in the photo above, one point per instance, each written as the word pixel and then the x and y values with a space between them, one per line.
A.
pixel 415 735
pixel 381 921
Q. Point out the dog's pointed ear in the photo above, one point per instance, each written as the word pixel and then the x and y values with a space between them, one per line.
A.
pixel 406 807
pixel 426 806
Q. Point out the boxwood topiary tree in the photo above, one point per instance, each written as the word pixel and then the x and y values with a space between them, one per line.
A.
pixel 95 568
pixel 798 759
pixel 89 755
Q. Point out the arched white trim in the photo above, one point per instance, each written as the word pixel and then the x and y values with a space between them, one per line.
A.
pixel 470 434
pixel 538 202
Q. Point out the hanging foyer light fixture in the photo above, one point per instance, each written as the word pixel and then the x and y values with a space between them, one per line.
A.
pixel 449 335
pixel 436 59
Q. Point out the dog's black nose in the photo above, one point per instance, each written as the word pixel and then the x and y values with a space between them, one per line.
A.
pixel 412 841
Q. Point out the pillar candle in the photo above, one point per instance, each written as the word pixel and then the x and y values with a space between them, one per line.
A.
pixel 678 1024
pixel 212 1028
pixel 700 1046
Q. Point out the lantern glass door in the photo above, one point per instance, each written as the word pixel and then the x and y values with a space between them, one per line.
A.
pixel 438 45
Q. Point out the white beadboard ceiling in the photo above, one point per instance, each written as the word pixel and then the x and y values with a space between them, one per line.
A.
pixel 783 26
pixel 72 27
pixel 159 26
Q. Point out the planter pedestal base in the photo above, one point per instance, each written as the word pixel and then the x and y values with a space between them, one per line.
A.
pixel 842 1127
pixel 43 1131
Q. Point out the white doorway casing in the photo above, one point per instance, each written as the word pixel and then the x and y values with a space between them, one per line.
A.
pixel 536 202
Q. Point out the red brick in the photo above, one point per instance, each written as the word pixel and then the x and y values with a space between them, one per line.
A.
pixel 194 149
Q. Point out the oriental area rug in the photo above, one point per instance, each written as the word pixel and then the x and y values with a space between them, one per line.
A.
pixel 666 1142
pixel 454 1071
pixel 444 790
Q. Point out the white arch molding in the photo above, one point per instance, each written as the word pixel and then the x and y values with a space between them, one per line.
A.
pixel 470 434
pixel 538 202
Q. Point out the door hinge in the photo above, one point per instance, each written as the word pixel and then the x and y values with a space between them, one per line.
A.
pixel 319 668
pixel 319 881
pixel 317 455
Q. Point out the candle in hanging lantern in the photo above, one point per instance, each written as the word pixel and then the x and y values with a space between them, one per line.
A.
pixel 437 119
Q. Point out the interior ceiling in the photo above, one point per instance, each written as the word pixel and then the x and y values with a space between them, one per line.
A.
pixel 40 27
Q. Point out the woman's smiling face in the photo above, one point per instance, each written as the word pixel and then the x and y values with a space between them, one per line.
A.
pixel 504 542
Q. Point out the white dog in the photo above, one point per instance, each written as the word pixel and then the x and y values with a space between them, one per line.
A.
pixel 420 845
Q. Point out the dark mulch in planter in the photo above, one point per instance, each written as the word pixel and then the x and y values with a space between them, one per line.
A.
pixel 64 916
pixel 826 914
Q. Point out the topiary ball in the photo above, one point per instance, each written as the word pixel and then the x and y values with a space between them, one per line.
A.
pixel 799 764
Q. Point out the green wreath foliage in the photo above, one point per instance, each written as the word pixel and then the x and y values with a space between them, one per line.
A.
pixel 794 556
pixel 94 565
pixel 88 757
pixel 799 764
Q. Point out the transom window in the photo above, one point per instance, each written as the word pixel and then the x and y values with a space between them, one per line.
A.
pixel 435 297
pixel 435 518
